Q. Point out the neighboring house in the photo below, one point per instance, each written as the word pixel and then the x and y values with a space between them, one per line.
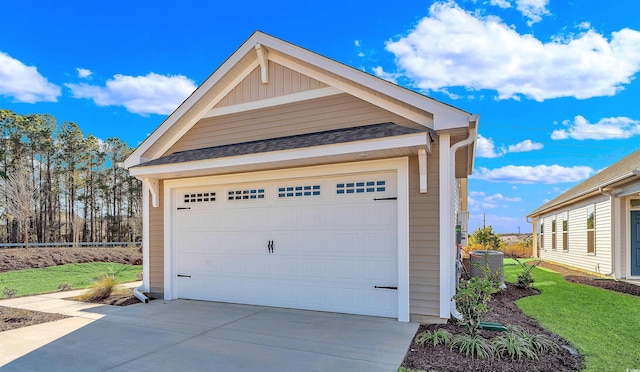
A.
pixel 595 226
pixel 289 179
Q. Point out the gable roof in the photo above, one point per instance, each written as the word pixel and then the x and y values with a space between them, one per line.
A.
pixel 286 143
pixel 245 59
pixel 619 171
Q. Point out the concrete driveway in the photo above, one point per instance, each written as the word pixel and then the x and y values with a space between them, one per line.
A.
pixel 184 335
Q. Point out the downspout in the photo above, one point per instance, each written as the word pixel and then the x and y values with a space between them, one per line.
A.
pixel 139 295
pixel 473 133
pixel 612 198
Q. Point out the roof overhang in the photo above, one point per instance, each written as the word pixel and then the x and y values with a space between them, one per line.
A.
pixel 387 147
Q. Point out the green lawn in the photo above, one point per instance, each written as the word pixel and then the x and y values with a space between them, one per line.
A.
pixel 48 279
pixel 602 324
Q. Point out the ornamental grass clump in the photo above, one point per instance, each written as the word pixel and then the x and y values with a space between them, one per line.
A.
pixel 473 346
pixel 435 338
pixel 102 288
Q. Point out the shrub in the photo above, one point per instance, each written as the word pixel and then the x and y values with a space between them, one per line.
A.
pixel 473 346
pixel 9 292
pixel 435 338
pixel 472 299
pixel 101 288
pixel 524 279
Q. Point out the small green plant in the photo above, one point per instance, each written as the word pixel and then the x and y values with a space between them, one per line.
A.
pixel 525 278
pixel 101 288
pixel 435 338
pixel 538 342
pixel 474 346
pixel 9 292
pixel 65 287
pixel 472 301
pixel 512 345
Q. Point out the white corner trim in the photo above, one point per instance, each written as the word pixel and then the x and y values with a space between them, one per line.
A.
pixel 408 140
pixel 446 228
pixel 272 102
pixel 145 237
pixel 403 240
pixel 422 166
pixel 399 165
pixel 264 63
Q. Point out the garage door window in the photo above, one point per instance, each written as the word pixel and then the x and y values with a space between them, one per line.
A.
pixel 246 194
pixel 298 191
pixel 361 187
pixel 199 197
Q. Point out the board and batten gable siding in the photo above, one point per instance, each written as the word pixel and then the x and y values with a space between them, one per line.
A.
pixel 282 81
pixel 322 114
pixel 156 244
pixel 577 255
pixel 424 242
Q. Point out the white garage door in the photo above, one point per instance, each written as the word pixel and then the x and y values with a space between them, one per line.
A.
pixel 325 243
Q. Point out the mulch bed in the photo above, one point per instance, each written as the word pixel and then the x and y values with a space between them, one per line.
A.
pixel 504 311
pixel 31 258
pixel 11 318
pixel 120 298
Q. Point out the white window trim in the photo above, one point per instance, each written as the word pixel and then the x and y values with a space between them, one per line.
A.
pixel 628 236
pixel 399 165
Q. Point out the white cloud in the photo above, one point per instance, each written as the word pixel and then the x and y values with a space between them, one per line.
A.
pixel 455 48
pixel 547 174
pixel 150 94
pixel 533 9
pixel 485 148
pixel 606 128
pixel 525 146
pixel 501 3
pixel 478 199
pixel 83 73
pixel 357 43
pixel 500 197
pixel 24 83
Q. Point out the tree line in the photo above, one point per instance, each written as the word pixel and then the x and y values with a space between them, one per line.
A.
pixel 72 189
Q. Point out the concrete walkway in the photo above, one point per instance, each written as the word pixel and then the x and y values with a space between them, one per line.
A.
pixel 200 336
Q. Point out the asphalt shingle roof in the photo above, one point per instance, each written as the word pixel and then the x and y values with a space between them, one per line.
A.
pixel 622 168
pixel 286 143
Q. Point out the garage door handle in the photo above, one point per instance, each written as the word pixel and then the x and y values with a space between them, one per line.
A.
pixel 390 198
pixel 384 287
pixel 184 276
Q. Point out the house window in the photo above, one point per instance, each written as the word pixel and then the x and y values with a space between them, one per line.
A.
pixel 553 234
pixel 246 194
pixel 297 191
pixel 565 232
pixel 635 202
pixel 361 187
pixel 199 197
pixel 591 229
pixel 541 240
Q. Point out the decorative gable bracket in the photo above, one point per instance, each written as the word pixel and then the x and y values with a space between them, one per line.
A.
pixel 154 188
pixel 264 63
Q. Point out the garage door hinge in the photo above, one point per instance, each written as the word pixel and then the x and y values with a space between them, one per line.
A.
pixel 391 198
pixel 384 287
pixel 180 208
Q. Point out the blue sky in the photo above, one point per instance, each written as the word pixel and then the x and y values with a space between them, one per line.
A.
pixel 555 82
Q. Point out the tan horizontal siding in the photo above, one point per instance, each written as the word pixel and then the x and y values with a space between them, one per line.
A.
pixel 156 245
pixel 424 246
pixel 328 113
pixel 282 81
